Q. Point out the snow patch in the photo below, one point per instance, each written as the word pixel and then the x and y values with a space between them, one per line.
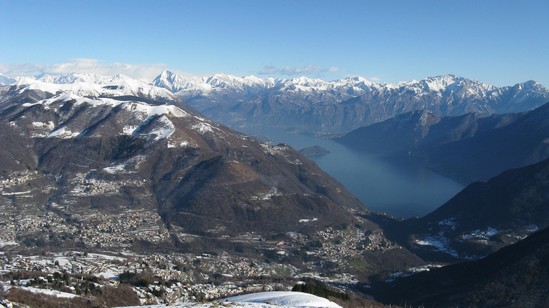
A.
pixel 50 125
pixel 412 270
pixel 282 299
pixel 154 110
pixel 49 292
pixel 17 193
pixel 4 243
pixel 106 257
pixel 281 150
pixel 115 169
pixel 305 220
pixel 129 129
pixel 267 196
pixel 63 133
pixel 92 85
pixel 439 243
pixel 181 144
pixel 163 129
pixel 480 235
pixel 202 128
pixel 62 261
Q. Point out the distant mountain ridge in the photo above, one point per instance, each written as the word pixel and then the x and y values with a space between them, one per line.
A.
pixel 93 85
pixel 314 105
pixel 467 148
pixel 409 132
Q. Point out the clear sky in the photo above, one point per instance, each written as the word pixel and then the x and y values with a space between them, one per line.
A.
pixel 500 42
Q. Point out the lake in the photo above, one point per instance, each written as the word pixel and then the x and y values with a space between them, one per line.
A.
pixel 403 190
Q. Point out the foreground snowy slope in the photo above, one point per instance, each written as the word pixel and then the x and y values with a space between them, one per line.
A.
pixel 282 299
pixel 279 299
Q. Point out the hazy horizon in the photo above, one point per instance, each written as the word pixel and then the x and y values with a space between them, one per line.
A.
pixel 497 42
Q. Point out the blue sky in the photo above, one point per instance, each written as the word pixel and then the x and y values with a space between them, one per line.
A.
pixel 495 41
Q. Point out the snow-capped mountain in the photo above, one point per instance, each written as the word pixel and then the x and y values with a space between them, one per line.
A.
pixel 339 106
pixel 186 86
pixel 306 104
pixel 92 85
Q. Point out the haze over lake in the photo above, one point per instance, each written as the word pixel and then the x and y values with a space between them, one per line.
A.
pixel 403 190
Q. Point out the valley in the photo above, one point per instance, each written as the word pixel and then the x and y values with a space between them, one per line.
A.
pixel 399 188
pixel 274 154
pixel 115 191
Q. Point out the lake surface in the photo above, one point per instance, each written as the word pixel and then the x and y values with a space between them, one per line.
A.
pixel 403 190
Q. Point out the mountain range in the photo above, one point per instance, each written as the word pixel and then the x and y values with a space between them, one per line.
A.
pixel 313 105
pixel 333 107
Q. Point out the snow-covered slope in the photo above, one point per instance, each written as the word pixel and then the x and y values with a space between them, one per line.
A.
pixel 282 299
pixel 278 299
pixel 78 105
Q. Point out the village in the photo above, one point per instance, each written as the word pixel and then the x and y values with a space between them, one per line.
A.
pixel 64 249
pixel 106 259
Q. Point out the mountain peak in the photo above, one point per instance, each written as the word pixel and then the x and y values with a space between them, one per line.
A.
pixel 530 84
pixel 166 74
pixel 447 76
pixel 358 79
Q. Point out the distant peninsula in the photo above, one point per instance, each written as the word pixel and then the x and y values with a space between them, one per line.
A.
pixel 315 151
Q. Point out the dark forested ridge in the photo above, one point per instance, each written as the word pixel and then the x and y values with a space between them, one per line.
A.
pixel 467 148
pixel 515 276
